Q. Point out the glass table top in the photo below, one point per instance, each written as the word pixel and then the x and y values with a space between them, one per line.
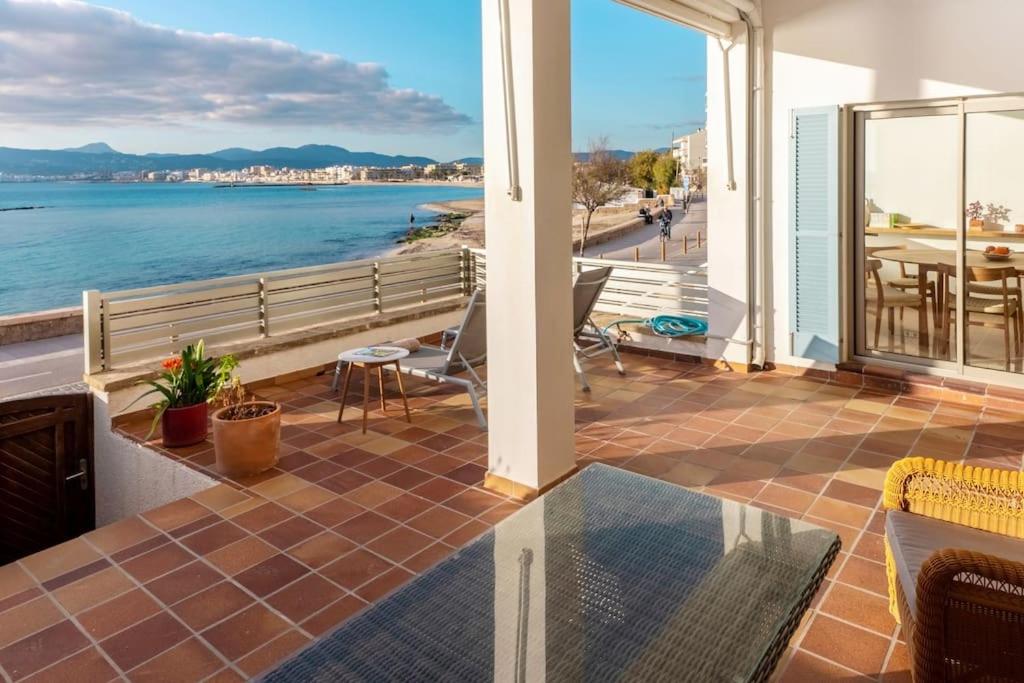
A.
pixel 609 576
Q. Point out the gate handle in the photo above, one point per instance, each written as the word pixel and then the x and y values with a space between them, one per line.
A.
pixel 82 475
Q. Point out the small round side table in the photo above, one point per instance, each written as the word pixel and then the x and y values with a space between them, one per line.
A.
pixel 369 361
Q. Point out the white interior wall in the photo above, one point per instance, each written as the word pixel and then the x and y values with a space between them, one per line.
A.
pixel 910 168
pixel 830 52
pixel 995 154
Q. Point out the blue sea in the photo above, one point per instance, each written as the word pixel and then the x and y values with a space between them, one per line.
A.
pixel 120 236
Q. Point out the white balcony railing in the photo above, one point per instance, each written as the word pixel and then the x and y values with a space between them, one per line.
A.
pixel 140 324
pixel 131 326
pixel 638 289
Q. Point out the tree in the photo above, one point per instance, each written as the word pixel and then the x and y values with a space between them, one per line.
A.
pixel 665 170
pixel 641 169
pixel 595 182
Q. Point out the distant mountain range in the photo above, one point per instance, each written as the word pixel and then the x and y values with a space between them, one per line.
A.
pixel 99 157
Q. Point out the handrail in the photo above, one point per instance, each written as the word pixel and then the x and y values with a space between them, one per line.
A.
pixel 634 288
pixel 135 325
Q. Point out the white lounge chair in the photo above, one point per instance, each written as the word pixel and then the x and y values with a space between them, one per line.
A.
pixel 467 350
pixel 588 339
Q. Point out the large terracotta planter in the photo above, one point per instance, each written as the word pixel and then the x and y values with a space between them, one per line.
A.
pixel 184 426
pixel 246 447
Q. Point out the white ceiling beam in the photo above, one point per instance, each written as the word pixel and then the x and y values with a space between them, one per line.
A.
pixel 719 9
pixel 681 14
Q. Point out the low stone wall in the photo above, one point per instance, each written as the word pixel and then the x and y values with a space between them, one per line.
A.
pixel 130 478
pixel 615 231
pixel 24 327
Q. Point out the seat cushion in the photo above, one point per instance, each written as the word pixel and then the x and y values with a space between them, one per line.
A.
pixel 427 359
pixel 908 283
pixel 894 297
pixel 913 539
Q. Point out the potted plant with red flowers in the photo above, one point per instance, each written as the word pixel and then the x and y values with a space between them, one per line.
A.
pixel 246 433
pixel 189 382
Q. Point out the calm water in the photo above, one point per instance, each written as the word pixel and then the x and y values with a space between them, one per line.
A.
pixel 109 237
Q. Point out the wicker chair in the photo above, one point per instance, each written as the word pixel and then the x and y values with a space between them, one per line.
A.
pixel 950 530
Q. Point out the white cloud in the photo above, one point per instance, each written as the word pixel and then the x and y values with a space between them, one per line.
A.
pixel 64 62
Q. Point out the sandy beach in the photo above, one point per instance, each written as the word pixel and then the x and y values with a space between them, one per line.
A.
pixel 470 232
pixel 443 183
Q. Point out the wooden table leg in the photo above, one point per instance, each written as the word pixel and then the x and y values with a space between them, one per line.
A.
pixel 380 385
pixel 344 391
pixel 366 394
pixel 922 311
pixel 401 390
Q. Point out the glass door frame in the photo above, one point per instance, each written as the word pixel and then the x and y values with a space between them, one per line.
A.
pixel 858 115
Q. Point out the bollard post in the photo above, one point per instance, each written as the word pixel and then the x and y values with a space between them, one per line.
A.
pixel 636 254
pixel 698 239
pixel 663 250
pixel 686 244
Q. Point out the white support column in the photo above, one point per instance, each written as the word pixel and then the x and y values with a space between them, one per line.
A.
pixel 729 247
pixel 530 383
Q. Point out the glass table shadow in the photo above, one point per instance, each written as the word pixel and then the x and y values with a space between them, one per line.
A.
pixel 609 576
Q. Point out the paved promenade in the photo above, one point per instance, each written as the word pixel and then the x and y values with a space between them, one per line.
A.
pixel 30 367
pixel 648 239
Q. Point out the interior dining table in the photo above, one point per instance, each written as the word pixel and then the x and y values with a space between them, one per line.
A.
pixel 927 259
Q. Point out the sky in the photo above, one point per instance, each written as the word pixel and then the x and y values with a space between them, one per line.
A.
pixel 389 76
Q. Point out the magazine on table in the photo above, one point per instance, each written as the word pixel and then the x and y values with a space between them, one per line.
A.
pixel 375 352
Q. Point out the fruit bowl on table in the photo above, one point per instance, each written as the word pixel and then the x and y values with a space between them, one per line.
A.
pixel 997 253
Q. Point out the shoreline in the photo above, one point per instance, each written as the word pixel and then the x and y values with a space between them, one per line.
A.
pixel 469 233
pixel 336 225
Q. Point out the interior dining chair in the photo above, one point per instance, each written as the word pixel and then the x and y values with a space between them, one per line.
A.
pixel 886 299
pixel 994 306
pixel 907 282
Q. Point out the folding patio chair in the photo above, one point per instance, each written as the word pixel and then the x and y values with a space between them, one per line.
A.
pixel 588 339
pixel 467 350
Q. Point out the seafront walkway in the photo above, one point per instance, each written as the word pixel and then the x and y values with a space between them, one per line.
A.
pixel 648 239
pixel 29 367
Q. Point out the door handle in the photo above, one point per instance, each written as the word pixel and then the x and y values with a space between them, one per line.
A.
pixel 82 475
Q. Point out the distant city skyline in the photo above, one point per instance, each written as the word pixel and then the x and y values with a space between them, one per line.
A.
pixel 394 76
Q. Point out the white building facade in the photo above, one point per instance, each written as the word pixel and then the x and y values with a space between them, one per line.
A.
pixel 691 150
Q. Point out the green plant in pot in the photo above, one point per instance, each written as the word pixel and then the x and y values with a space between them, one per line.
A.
pixel 246 433
pixel 188 384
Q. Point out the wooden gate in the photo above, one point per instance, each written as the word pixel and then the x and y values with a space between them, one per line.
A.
pixel 46 473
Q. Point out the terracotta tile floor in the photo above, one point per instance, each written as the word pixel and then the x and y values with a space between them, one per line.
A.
pixel 220 585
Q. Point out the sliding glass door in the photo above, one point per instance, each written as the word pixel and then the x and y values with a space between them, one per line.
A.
pixel 938 220
pixel 994 201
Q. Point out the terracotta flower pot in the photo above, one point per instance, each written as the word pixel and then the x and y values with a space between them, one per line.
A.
pixel 184 426
pixel 976 224
pixel 246 447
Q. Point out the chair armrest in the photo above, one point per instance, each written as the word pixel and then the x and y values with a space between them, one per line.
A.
pixel 978 497
pixel 970 606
